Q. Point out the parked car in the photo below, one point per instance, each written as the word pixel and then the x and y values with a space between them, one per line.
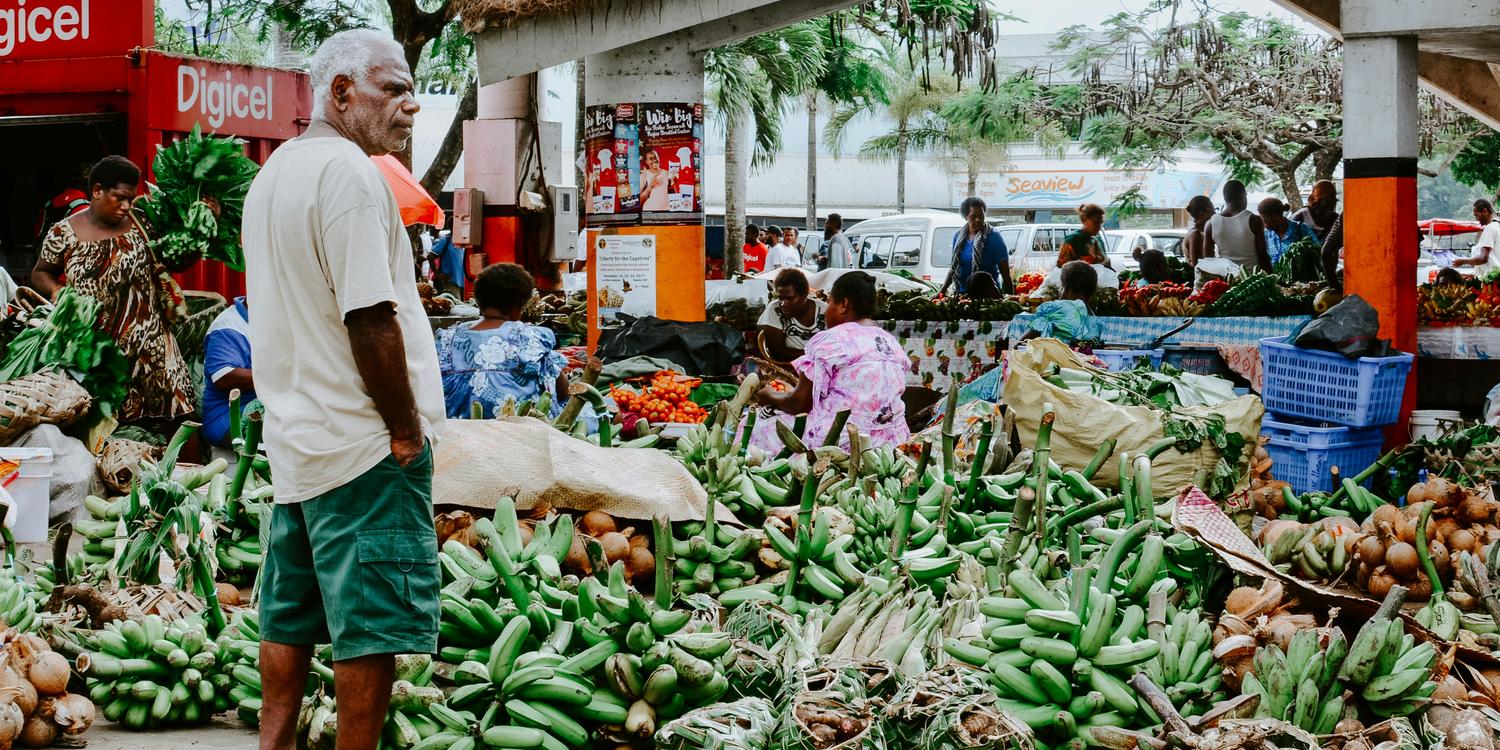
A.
pixel 921 243
pixel 1122 244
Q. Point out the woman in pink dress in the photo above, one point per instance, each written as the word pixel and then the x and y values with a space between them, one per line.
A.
pixel 853 365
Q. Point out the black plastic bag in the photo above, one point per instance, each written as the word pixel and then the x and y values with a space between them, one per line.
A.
pixel 703 349
pixel 1349 328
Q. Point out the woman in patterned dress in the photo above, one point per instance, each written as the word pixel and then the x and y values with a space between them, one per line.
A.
pixel 498 358
pixel 854 365
pixel 793 318
pixel 102 252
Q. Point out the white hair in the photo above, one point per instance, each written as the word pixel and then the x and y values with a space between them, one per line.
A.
pixel 347 53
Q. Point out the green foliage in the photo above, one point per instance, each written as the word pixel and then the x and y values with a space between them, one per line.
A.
pixel 1302 261
pixel 189 171
pixel 1479 162
pixel 70 342
pixel 759 75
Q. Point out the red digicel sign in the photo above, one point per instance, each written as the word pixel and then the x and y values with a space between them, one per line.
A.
pixel 222 98
pixel 43 29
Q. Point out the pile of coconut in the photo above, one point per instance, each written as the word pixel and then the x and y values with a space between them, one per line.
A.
pixel 35 705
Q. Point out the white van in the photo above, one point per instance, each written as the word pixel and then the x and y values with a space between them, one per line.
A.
pixel 921 243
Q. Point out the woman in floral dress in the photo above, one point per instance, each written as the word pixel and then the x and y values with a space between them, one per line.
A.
pixel 498 358
pixel 854 365
pixel 103 253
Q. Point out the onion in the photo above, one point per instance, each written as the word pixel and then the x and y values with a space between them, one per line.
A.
pixel 11 721
pixel 616 546
pixel 37 732
pixel 597 523
pixel 49 673
pixel 75 713
pixel 640 564
pixel 1380 582
pixel 1370 551
pixel 1401 558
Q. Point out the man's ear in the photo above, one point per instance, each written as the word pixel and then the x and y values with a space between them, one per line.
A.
pixel 340 88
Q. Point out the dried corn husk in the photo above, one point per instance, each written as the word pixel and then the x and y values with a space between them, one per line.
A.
pixel 746 724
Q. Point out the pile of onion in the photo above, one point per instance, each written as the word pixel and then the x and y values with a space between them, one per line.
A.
pixel 1462 521
pixel 35 707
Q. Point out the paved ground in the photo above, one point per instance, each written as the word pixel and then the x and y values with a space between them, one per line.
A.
pixel 225 733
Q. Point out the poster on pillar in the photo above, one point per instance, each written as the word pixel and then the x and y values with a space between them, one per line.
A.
pixel 625 277
pixel 611 164
pixel 671 163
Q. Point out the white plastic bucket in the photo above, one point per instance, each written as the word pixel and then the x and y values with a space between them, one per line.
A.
pixel 31 489
pixel 1429 424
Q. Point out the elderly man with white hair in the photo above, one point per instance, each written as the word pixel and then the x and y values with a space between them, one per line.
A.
pixel 347 370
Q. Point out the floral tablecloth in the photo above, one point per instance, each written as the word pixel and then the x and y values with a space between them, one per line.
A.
pixel 942 350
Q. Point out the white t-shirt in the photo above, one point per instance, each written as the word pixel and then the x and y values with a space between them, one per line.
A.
pixel 1489 237
pixel 840 252
pixel 782 256
pixel 323 237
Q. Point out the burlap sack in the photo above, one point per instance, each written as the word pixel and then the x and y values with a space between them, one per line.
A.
pixel 479 461
pixel 1084 421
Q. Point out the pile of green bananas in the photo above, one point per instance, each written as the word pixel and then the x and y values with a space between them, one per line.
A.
pixel 1316 551
pixel 1185 667
pixel 895 625
pixel 238 552
pixel 720 467
pixel 712 558
pixel 18 607
pixel 44 578
pixel 148 674
pixel 1302 685
pixel 101 532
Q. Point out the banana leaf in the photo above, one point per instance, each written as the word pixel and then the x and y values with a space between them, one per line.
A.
pixel 746 724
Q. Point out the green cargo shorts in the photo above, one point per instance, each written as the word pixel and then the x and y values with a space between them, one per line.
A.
pixel 357 566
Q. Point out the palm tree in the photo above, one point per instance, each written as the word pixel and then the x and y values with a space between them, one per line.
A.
pixel 756 77
pixel 919 91
pixel 976 128
pixel 851 76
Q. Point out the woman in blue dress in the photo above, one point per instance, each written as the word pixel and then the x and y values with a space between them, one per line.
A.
pixel 498 358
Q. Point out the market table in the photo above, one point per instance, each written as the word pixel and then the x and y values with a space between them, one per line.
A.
pixel 944 349
pixel 1458 342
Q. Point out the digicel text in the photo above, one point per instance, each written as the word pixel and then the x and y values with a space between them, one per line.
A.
pixel 20 24
pixel 218 100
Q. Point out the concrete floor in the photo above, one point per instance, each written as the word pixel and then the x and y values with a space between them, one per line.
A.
pixel 224 733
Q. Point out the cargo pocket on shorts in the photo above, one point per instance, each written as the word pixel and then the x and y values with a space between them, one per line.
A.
pixel 399 573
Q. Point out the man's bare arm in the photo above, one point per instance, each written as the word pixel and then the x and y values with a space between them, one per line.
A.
pixel 380 356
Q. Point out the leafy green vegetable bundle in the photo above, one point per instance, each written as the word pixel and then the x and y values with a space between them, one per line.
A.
pixel 70 341
pixel 193 177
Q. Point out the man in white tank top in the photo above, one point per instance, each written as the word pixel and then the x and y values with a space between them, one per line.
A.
pixel 1237 232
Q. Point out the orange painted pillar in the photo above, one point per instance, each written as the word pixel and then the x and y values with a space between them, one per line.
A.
pixel 1380 190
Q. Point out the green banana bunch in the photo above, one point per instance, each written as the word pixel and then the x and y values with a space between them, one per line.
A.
pixel 713 558
pixel 44 578
pixel 18 608
pixel 1315 552
pixel 1185 666
pixel 148 674
pixel 1301 686
pixel 102 533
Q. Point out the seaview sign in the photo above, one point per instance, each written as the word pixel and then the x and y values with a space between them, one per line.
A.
pixel 41 29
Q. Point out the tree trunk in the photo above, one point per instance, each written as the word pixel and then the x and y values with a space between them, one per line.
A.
pixel 1288 177
pixel 736 175
pixel 413 28
pixel 1325 161
pixel 453 141
pixel 973 186
pixel 580 71
pixel 901 168
pixel 812 162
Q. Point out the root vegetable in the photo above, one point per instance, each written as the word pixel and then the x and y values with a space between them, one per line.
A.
pixel 1463 540
pixel 616 546
pixel 1420 589
pixel 1475 509
pixel 1440 558
pixel 37 732
pixel 640 541
pixel 229 594
pixel 577 560
pixel 1388 515
pixel 1401 560
pixel 1370 551
pixel 1450 689
pixel 1273 531
pixel 640 564
pixel 49 673
pixel 1380 582
pixel 597 523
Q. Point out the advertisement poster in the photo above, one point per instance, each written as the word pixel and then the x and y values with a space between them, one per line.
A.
pixel 671 158
pixel 611 157
pixel 626 276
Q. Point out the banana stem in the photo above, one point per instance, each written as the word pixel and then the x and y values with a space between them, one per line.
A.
pixel 749 430
pixel 1127 487
pixel 1380 465
pixel 574 406
pixel 1097 508
pixel 661 529
pixel 986 433
pixel 249 447
pixel 1026 500
pixel 1424 555
pixel 836 431
pixel 1042 456
pixel 1106 449
pixel 1144 499
pixel 236 411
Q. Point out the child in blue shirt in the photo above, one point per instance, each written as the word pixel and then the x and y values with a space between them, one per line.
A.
pixel 226 363
pixel 1068 319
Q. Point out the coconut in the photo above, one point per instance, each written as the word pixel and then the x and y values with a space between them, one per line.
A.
pixel 597 523
pixel 616 546
pixel 74 713
pixel 49 673
pixel 38 732
pixel 11 723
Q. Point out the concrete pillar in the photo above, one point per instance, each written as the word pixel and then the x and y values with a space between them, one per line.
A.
pixel 661 70
pixel 1380 184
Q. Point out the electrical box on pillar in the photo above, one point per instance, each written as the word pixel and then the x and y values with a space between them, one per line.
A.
pixel 468 216
pixel 564 223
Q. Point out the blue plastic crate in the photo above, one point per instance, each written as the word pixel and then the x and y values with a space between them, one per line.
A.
pixel 1328 387
pixel 1302 454
pixel 1116 360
